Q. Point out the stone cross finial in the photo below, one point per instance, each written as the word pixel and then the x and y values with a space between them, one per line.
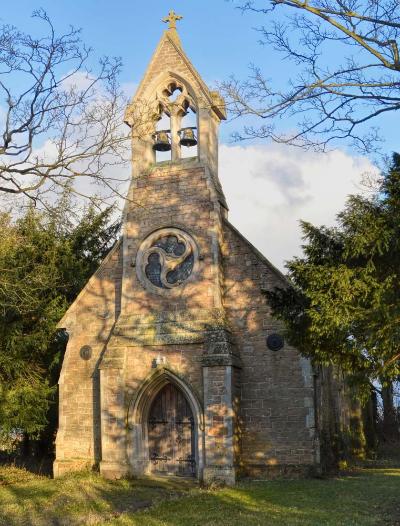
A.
pixel 171 19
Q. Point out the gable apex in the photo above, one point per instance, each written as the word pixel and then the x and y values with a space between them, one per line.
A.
pixel 169 60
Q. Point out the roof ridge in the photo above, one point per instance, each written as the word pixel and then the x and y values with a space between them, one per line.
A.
pixel 257 252
pixel 114 248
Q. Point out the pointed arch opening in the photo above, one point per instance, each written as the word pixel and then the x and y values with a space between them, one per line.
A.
pixel 162 137
pixel 165 427
pixel 188 134
pixel 173 91
pixel 176 130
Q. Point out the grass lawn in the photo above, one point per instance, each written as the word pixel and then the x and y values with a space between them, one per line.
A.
pixel 365 497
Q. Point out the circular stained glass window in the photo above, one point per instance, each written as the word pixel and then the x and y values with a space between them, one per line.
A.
pixel 166 259
pixel 275 342
pixel 85 352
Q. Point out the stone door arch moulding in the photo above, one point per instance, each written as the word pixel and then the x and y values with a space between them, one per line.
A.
pixel 137 418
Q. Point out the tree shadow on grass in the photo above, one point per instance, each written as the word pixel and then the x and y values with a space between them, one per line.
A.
pixel 38 465
pixel 80 499
pixel 367 497
pixel 362 499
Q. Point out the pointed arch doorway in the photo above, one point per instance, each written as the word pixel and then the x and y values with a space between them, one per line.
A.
pixel 170 431
pixel 150 405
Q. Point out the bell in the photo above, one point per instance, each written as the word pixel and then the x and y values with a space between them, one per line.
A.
pixel 187 137
pixel 161 141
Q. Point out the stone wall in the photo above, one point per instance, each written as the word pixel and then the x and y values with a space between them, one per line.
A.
pixel 88 322
pixel 276 388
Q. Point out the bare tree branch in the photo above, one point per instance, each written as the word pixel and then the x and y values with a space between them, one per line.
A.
pixel 329 99
pixel 63 122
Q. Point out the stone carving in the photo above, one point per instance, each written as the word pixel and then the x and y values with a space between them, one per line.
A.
pixel 166 259
pixel 166 328
pixel 171 19
pixel 220 348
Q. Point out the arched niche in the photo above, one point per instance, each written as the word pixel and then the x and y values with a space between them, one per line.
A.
pixel 138 415
pixel 163 133
pixel 189 131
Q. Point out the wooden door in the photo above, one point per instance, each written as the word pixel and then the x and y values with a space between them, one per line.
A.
pixel 171 434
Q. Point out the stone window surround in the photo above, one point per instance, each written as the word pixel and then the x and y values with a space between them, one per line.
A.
pixel 141 263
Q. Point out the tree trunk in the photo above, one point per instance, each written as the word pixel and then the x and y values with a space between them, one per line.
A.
pixel 390 426
pixel 370 418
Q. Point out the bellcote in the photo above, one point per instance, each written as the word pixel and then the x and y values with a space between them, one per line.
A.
pixel 173 115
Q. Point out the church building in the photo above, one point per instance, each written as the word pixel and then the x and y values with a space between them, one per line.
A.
pixel 174 363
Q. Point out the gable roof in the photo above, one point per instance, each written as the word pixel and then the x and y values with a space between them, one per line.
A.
pixel 257 253
pixel 64 320
pixel 169 57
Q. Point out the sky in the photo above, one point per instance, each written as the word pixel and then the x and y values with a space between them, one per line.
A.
pixel 269 188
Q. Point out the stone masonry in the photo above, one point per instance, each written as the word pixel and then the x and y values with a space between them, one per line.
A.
pixel 180 300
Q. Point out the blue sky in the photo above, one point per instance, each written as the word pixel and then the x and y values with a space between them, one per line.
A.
pixel 215 35
pixel 268 187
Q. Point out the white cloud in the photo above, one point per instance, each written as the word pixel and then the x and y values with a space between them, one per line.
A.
pixel 270 188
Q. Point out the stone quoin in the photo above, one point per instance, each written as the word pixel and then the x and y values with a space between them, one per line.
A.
pixel 167 368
